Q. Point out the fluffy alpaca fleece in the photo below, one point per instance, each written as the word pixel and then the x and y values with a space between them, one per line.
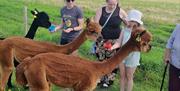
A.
pixel 74 72
pixel 41 19
pixel 20 48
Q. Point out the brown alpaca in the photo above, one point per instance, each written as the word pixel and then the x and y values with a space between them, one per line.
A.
pixel 74 72
pixel 20 48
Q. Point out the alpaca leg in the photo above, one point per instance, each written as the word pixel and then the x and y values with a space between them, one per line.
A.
pixel 86 86
pixel 83 89
pixel 36 78
pixel 4 77
pixel 9 82
pixel 80 87
pixel 38 83
pixel 67 89
pixel 6 64
pixel 16 63
pixel 39 89
pixel 6 70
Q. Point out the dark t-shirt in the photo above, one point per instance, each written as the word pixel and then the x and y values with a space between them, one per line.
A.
pixel 70 18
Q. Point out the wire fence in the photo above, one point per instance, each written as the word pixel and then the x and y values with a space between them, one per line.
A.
pixel 13 22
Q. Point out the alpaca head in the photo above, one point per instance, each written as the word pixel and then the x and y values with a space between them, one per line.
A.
pixel 41 18
pixel 141 37
pixel 92 28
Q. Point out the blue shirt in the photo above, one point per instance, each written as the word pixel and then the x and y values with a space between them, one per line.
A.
pixel 174 44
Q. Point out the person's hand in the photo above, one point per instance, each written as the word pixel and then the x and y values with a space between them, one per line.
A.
pixel 167 56
pixel 115 46
pixel 68 30
pixel 167 60
pixel 107 45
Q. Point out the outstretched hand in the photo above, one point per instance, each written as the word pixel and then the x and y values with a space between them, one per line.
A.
pixel 68 30
pixel 166 60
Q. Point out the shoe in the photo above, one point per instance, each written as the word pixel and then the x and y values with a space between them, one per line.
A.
pixel 105 85
pixel 26 86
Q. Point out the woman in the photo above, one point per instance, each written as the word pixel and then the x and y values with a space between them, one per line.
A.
pixel 72 22
pixel 110 31
pixel 172 56
pixel 130 63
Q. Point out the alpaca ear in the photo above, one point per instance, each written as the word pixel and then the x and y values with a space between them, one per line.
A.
pixel 34 14
pixel 138 37
pixel 87 21
pixel 36 11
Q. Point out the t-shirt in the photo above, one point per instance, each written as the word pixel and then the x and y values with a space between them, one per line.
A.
pixel 70 18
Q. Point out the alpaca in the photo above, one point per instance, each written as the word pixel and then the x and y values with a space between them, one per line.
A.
pixel 20 48
pixel 74 72
pixel 41 19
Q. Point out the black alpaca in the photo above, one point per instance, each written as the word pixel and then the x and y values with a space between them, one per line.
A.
pixel 41 19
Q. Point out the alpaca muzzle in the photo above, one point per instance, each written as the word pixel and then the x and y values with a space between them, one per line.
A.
pixel 149 48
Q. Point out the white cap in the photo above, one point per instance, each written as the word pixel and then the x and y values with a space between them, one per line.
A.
pixel 135 15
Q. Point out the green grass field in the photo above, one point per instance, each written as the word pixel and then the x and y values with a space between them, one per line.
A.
pixel 160 17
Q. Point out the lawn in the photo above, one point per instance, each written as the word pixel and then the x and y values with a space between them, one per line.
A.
pixel 160 17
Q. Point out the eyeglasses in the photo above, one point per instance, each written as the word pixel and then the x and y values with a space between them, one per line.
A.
pixel 69 0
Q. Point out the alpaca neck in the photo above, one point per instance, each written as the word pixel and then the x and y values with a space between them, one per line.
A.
pixel 32 31
pixel 109 65
pixel 76 43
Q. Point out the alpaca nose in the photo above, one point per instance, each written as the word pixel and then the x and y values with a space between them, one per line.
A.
pixel 149 48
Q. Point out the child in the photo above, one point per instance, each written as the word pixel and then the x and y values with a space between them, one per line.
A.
pixel 128 66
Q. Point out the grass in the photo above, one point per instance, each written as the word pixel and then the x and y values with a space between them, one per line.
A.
pixel 160 17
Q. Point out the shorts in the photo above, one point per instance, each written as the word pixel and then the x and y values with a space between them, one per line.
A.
pixel 132 60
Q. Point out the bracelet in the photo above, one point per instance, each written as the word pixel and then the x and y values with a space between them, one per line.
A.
pixel 73 29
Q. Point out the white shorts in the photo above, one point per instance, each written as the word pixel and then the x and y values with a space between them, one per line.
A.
pixel 132 60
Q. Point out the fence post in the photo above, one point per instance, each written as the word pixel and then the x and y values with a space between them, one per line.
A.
pixel 25 19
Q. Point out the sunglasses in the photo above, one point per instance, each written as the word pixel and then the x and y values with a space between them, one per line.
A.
pixel 69 0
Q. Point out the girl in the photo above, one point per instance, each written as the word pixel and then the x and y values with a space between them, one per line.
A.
pixel 130 63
